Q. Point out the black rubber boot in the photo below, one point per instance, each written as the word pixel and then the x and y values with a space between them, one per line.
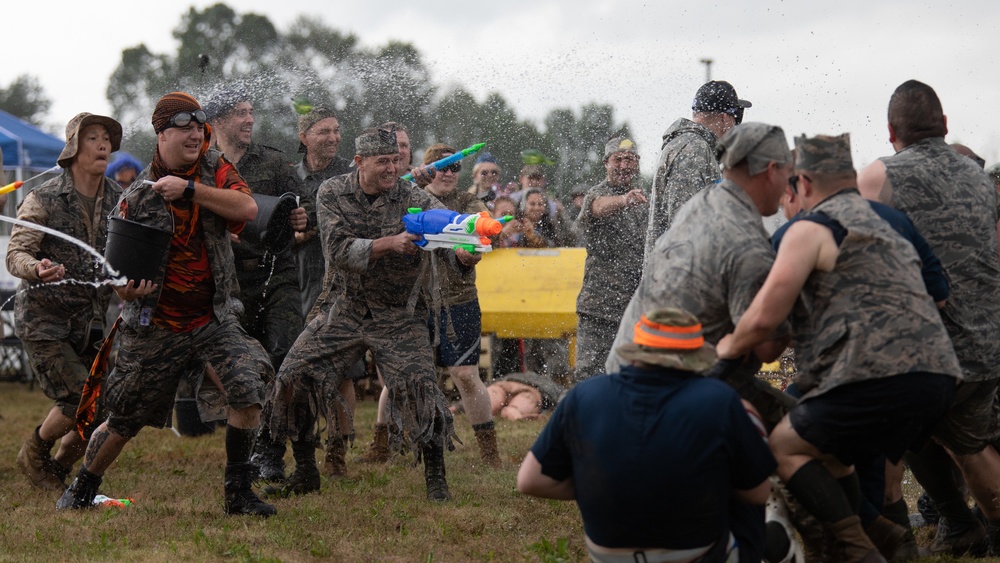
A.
pixel 434 474
pixel 81 492
pixel 268 457
pixel 305 478
pixel 240 498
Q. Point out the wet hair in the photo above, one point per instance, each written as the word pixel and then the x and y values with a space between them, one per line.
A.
pixel 437 151
pixel 915 112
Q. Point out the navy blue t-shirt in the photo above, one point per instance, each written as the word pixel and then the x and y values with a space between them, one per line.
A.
pixel 654 456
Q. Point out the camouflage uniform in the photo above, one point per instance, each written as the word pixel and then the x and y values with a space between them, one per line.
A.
pixel 687 164
pixel 309 255
pixel 710 263
pixel 843 333
pixel 378 307
pixel 954 205
pixel 152 359
pixel 614 267
pixel 269 285
pixel 61 325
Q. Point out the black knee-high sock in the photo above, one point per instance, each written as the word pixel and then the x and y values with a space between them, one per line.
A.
pixel 239 444
pixel 933 468
pixel 851 486
pixel 820 494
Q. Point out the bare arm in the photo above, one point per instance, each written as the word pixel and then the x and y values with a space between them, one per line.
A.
pixel 874 184
pixel 531 481
pixel 806 247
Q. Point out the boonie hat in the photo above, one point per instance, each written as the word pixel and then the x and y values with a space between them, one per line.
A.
pixel 670 338
pixel 81 121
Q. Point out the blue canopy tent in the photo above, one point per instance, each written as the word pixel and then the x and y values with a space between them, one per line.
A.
pixel 27 147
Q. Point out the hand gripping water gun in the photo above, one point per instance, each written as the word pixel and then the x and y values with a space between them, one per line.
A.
pixel 439 164
pixel 441 228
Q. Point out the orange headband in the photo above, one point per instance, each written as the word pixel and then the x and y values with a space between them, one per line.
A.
pixel 655 335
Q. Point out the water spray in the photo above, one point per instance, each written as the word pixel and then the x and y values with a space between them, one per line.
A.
pixel 15 185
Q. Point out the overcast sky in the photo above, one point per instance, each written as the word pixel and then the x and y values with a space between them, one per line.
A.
pixel 810 67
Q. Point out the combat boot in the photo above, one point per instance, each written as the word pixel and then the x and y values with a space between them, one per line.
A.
pixel 854 545
pixel 887 536
pixel 268 458
pixel 240 498
pixel 486 437
pixel 959 540
pixel 335 466
pixel 305 478
pixel 434 474
pixel 378 451
pixel 35 461
pixel 81 492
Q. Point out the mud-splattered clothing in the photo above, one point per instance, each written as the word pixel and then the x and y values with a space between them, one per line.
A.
pixel 269 281
pixel 377 306
pixel 153 358
pixel 309 255
pixel 61 324
pixel 687 165
pixel 615 246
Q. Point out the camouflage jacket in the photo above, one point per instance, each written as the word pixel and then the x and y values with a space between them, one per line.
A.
pixel 711 262
pixel 266 172
pixel 954 205
pixel 871 316
pixel 49 311
pixel 309 182
pixel 615 245
pixel 349 224
pixel 687 164
pixel 149 208
pixel 457 282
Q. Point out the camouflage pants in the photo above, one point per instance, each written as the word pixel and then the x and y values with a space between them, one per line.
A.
pixel 61 370
pixel 306 388
pixel 271 312
pixel 594 337
pixel 151 363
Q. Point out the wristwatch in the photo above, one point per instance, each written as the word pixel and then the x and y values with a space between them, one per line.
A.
pixel 189 190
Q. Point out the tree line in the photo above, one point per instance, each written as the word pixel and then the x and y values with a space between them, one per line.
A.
pixel 312 61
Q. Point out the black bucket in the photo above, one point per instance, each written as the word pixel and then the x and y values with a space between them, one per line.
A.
pixel 136 250
pixel 188 420
pixel 271 227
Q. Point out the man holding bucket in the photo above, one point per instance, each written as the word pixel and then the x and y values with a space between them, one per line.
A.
pixel 265 267
pixel 190 316
pixel 61 326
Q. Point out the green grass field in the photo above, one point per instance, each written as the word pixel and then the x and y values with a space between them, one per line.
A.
pixel 375 513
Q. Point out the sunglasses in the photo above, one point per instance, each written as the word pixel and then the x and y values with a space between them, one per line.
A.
pixel 453 168
pixel 793 182
pixel 184 118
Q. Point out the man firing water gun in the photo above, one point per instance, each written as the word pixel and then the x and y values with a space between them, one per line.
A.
pixel 441 228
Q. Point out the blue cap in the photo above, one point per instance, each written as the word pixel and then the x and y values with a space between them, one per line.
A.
pixel 123 161
pixel 485 157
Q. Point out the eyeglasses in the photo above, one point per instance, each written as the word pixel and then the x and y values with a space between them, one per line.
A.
pixel 489 172
pixel 184 118
pixel 453 168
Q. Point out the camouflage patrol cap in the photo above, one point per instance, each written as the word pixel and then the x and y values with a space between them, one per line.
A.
pixel 670 338
pixel 375 142
pixel 757 143
pixel 314 116
pixel 81 121
pixel 620 144
pixel 824 154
